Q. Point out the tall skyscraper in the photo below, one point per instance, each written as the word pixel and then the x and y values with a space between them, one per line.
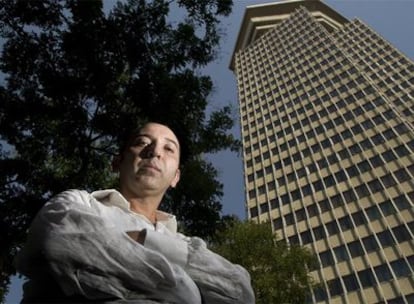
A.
pixel 327 113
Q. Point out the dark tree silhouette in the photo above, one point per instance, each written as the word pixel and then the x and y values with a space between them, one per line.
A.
pixel 77 77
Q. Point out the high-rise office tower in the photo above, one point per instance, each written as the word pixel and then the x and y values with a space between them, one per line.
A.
pixel 327 113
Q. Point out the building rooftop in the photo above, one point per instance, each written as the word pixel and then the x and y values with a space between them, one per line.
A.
pixel 262 17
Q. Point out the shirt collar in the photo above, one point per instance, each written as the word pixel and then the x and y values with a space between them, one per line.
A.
pixel 111 197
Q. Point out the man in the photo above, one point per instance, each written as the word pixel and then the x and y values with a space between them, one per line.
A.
pixel 117 247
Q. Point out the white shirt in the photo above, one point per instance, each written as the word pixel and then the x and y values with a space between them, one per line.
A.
pixel 78 240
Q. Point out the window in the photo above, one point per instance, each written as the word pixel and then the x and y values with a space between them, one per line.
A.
pixel 315 148
pixel 349 196
pixel 277 223
pixel 401 128
pixel 312 210
pixel 364 166
pixel 306 237
pixel 329 181
pixel 294 240
pixel 332 159
pixel 366 144
pixel 346 134
pixel 352 171
pixel 336 138
pixel 366 277
pixel 375 186
pixel 306 190
pixel 402 175
pixel 332 228
pixel 362 191
pixel 388 134
pixel 402 151
pixel 367 124
pixel 274 203
pixel 320 294
pixel 385 238
pixel 357 129
pixel 411 169
pixel 355 248
pixel 261 189
pixel 368 106
pixel 287 161
pixel 350 282
pixel 289 219
pixel 253 212
pixel 389 114
pixel 319 233
pixel 358 111
pixel 323 163
pixel 359 218
pixel 348 116
pixel 341 254
pixel 326 258
pixel 402 202
pixel 378 119
pixel 339 120
pixel 389 155
pixel 324 205
pixel 401 233
pixel 340 176
pixel 373 213
pixel 376 161
pixel 300 214
pixel 296 195
pixel 400 268
pixel 268 169
pixel 326 143
pixel 350 99
pixel 377 139
pixel 383 273
pixel 291 177
pixel 387 208
pixel 345 223
pixel 370 244
pixel 318 185
pixel 335 287
pixel 264 207
pixel 337 201
pixel 411 145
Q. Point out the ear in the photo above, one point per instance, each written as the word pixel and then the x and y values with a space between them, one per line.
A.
pixel 176 178
pixel 116 161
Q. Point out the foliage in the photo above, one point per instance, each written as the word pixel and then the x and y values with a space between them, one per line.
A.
pixel 78 76
pixel 279 273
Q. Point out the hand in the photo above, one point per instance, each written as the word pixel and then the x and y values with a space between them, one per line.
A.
pixel 138 235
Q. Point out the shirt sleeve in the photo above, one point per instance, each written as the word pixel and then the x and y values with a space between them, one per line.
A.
pixel 88 257
pixel 220 281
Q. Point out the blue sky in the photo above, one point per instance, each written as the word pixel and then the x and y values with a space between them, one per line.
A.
pixel 390 18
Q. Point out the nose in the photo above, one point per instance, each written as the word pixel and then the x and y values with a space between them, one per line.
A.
pixel 152 150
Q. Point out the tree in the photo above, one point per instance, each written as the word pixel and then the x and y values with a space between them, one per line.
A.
pixel 78 76
pixel 279 272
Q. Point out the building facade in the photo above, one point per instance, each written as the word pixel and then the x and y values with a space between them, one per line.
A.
pixel 327 115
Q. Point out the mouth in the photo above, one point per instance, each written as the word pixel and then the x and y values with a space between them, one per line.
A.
pixel 151 167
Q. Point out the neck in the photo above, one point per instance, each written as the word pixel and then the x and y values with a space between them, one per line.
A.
pixel 145 206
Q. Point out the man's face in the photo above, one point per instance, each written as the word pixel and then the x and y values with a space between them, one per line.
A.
pixel 149 164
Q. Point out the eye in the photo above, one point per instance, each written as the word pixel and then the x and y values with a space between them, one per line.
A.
pixel 169 148
pixel 141 142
